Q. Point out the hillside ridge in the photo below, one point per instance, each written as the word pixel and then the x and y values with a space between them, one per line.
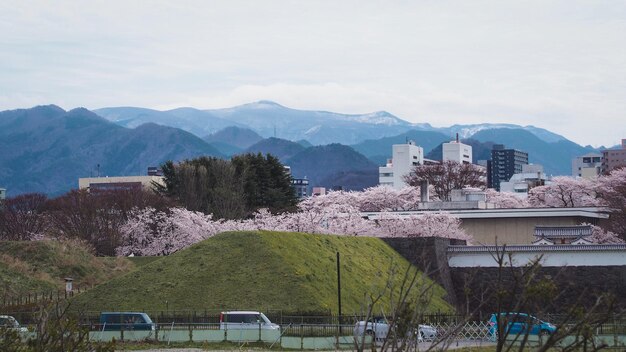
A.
pixel 257 270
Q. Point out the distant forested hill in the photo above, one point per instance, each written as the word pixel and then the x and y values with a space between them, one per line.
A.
pixel 46 149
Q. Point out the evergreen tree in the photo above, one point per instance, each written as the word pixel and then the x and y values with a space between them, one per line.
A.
pixel 205 184
pixel 266 182
pixel 229 189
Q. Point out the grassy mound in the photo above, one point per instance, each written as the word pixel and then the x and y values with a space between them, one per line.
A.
pixel 258 270
pixel 41 266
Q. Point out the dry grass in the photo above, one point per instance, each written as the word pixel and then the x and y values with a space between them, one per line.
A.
pixel 38 266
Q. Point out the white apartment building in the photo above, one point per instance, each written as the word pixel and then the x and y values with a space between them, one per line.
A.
pixel 404 158
pixel 458 152
pixel 587 166
pixel 532 175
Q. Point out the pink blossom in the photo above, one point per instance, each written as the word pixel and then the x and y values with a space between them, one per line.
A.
pixel 505 199
pixel 566 192
pixel 600 236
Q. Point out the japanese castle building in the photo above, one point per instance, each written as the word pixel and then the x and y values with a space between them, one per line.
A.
pixel 550 235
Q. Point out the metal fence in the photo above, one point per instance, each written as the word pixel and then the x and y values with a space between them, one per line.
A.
pixel 29 316
pixel 471 330
pixel 329 336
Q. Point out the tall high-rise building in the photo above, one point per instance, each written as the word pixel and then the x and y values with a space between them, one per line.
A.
pixel 504 164
pixel 405 157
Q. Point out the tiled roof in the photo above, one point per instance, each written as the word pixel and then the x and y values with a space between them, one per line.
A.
pixel 535 248
pixel 563 231
pixel 584 212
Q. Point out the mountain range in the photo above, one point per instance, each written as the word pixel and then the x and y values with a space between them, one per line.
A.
pixel 270 119
pixel 46 149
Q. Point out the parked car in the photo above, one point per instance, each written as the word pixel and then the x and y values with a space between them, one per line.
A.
pixel 8 322
pixel 137 321
pixel 378 328
pixel 243 320
pixel 520 324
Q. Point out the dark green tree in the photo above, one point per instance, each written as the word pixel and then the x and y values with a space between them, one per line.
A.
pixel 205 184
pixel 266 182
pixel 229 189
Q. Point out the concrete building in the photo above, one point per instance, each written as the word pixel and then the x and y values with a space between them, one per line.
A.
pixel 587 166
pixel 457 151
pixel 301 187
pixel 3 193
pixel 318 191
pixel 532 175
pixel 119 183
pixel 614 158
pixel 405 157
pixel 513 226
pixel 504 164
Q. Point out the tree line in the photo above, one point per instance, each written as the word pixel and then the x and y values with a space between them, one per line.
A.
pixel 229 189
pixel 205 196
pixel 232 189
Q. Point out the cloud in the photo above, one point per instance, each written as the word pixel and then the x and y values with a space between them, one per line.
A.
pixel 557 65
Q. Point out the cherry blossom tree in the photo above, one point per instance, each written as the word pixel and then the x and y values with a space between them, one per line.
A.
pixel 328 199
pixel 21 217
pixel 505 199
pixel 611 191
pixel 150 232
pixel 386 198
pixel 378 198
pixel 427 224
pixel 447 176
pixel 600 236
pixel 565 192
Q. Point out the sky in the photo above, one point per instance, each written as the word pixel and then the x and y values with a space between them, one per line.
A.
pixel 560 65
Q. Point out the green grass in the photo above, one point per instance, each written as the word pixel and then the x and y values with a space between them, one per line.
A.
pixel 262 270
pixel 38 266
pixel 141 261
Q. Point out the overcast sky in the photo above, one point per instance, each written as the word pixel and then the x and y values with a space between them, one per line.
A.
pixel 559 65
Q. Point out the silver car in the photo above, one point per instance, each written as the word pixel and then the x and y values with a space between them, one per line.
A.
pixel 378 328
pixel 8 322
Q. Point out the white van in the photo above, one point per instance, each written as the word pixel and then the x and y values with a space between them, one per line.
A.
pixel 245 320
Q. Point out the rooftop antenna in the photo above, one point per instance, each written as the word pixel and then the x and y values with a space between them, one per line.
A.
pixel 98 172
pixel 457 137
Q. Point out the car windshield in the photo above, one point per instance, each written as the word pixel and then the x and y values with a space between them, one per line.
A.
pixel 265 319
pixel 8 322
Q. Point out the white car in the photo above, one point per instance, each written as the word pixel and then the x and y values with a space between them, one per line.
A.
pixel 246 320
pixel 378 328
pixel 8 322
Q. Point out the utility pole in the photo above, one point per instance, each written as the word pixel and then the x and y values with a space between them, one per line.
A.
pixel 339 286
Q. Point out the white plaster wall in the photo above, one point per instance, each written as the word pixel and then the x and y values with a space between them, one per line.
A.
pixel 549 259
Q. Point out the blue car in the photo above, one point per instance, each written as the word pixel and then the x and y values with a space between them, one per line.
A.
pixel 128 321
pixel 520 324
